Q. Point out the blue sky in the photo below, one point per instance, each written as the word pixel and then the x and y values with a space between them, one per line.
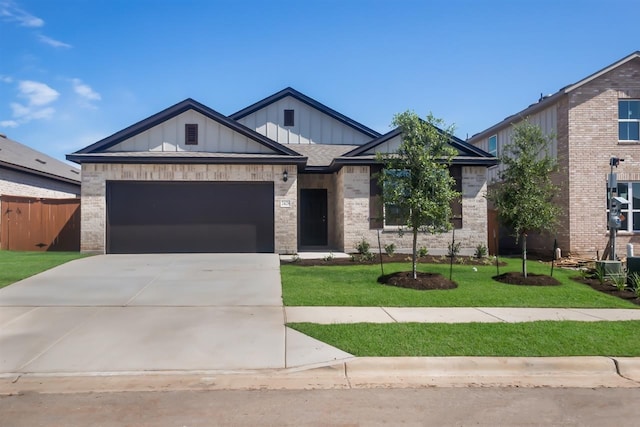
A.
pixel 75 71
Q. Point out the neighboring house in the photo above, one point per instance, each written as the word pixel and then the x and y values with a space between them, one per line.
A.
pixel 27 173
pixel 283 175
pixel 594 119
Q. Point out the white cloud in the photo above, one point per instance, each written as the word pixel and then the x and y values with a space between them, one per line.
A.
pixel 85 91
pixel 37 93
pixel 9 11
pixel 52 42
pixel 38 96
pixel 9 124
pixel 19 110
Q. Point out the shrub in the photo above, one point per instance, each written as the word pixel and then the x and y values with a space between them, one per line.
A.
pixel 363 247
pixel 481 251
pixel 453 249
pixel 390 249
pixel 329 257
pixel 619 281
pixel 423 252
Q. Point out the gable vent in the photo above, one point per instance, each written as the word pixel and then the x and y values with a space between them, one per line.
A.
pixel 191 134
pixel 289 118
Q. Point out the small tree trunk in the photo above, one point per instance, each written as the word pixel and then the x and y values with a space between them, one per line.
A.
pixel 524 255
pixel 415 253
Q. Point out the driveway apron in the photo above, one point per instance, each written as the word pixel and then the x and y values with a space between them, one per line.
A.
pixel 160 312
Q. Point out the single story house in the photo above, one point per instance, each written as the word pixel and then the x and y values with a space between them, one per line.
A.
pixel 283 175
pixel 27 177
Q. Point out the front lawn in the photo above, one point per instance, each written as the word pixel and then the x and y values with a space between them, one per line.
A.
pixel 15 266
pixel 530 339
pixel 356 285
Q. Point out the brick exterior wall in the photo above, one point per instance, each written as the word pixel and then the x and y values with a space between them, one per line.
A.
pixel 94 177
pixel 354 181
pixel 16 183
pixel 592 140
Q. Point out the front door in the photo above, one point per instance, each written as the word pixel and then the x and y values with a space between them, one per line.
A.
pixel 313 217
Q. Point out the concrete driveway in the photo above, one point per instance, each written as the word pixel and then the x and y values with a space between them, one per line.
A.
pixel 161 312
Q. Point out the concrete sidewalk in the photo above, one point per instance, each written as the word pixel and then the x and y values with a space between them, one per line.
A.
pixel 330 315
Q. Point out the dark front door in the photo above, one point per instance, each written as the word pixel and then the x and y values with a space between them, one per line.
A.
pixel 313 217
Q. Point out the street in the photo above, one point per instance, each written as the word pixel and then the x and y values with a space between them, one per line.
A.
pixel 356 407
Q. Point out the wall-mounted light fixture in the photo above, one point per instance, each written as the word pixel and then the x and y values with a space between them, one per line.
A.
pixel 285 176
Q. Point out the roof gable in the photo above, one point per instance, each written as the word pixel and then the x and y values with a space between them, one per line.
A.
pixel 264 117
pixel 147 134
pixel 14 155
pixel 389 143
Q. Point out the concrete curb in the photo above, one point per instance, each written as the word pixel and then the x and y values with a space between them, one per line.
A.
pixel 400 372
pixel 629 367
pixel 489 371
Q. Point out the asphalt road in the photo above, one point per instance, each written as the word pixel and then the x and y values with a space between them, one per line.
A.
pixel 409 407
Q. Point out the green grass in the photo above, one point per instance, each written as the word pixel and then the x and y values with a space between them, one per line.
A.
pixel 547 338
pixel 15 266
pixel 355 285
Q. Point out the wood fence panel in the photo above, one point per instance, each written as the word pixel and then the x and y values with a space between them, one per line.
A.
pixel 33 224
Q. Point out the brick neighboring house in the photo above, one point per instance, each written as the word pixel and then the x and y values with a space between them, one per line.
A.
pixel 593 120
pixel 283 175
pixel 27 173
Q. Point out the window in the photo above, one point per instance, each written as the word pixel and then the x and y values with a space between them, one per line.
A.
pixel 492 145
pixel 631 211
pixel 395 215
pixel 191 134
pixel 288 118
pixel 629 120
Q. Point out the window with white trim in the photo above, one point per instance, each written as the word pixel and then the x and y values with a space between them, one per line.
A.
pixel 492 145
pixel 629 120
pixel 630 212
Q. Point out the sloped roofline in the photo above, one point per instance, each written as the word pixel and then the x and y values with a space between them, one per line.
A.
pixel 455 142
pixel 173 111
pixel 289 91
pixel 547 101
pixel 23 158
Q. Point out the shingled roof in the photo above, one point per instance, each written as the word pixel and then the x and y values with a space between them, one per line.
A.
pixel 14 155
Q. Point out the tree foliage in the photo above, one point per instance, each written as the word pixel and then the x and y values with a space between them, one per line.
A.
pixel 524 196
pixel 416 177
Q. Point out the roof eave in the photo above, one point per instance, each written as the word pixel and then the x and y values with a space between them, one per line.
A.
pixel 40 173
pixel 97 158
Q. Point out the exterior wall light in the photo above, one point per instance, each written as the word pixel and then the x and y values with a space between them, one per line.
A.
pixel 285 176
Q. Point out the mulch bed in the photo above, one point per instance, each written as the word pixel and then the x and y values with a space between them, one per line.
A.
pixel 423 282
pixel 608 289
pixel 516 278
pixel 429 259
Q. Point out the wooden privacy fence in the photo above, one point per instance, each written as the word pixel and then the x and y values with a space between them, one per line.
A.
pixel 34 224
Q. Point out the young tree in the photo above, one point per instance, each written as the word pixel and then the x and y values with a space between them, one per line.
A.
pixel 416 180
pixel 524 195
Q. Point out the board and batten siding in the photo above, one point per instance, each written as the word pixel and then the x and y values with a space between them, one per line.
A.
pixel 311 126
pixel 547 119
pixel 169 136
pixel 390 146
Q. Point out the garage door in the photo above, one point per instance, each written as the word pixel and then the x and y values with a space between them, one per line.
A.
pixel 166 217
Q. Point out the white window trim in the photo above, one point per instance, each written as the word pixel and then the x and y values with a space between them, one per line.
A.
pixel 625 212
pixel 627 121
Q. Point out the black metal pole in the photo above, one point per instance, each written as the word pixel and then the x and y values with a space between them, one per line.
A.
pixel 495 244
pixel 380 251
pixel 555 249
pixel 453 242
